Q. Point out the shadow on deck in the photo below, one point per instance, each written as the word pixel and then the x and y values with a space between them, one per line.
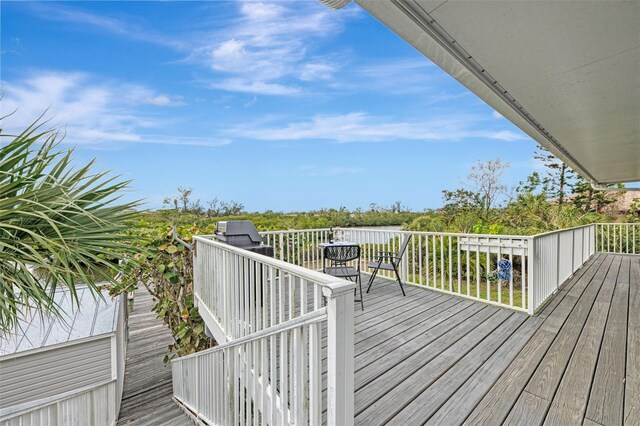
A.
pixel 431 358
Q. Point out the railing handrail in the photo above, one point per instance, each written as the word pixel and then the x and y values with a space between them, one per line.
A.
pixel 542 234
pixel 319 278
pixel 430 233
pixel 462 234
pixel 310 318
pixel 294 230
pixel 453 234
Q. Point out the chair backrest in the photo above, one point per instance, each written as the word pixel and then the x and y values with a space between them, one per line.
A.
pixel 342 253
pixel 403 248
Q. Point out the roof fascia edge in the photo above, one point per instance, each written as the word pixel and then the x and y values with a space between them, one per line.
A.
pixel 412 23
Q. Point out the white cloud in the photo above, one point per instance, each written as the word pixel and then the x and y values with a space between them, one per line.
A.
pixel 362 127
pixel 85 109
pixel 255 87
pixel 63 13
pixel 261 11
pixel 506 135
pixel 317 71
pixel 496 115
pixel 185 140
pixel 396 76
pixel 267 50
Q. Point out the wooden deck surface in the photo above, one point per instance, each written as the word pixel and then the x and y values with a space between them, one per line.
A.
pixel 148 389
pixel 431 358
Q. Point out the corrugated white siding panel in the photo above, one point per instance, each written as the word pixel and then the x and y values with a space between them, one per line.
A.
pixel 54 371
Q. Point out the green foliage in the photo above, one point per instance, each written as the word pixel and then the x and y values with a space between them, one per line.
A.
pixel 528 214
pixel 558 179
pixel 59 225
pixel 275 221
pixel 165 268
pixel 634 211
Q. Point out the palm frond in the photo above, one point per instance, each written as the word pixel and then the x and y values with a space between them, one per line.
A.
pixel 60 225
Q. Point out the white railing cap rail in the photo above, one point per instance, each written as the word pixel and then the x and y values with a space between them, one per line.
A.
pixel 447 234
pixel 563 230
pixel 282 231
pixel 336 285
pixel 306 319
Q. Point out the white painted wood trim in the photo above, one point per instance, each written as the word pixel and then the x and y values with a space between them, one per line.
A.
pixel 340 356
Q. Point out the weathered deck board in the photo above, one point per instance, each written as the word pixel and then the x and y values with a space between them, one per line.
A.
pixel 572 371
pixel 570 401
pixel 497 403
pixel 564 366
pixel 148 389
pixel 548 375
pixel 434 358
pixel 497 343
pixel 606 402
pixel 632 383
pixel 456 407
pixel 382 399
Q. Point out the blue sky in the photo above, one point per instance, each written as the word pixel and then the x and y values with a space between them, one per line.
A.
pixel 283 106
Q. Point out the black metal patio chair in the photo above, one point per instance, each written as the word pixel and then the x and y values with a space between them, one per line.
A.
pixel 338 258
pixel 392 263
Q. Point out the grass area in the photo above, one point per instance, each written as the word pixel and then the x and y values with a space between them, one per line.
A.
pixel 495 290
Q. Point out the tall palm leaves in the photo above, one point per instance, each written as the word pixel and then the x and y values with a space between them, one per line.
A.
pixel 59 225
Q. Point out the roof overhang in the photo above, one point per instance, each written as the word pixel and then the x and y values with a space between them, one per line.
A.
pixel 565 72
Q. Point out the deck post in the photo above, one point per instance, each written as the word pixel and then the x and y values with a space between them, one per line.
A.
pixel 340 353
pixel 531 278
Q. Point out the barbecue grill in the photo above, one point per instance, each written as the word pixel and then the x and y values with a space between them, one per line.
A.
pixel 242 234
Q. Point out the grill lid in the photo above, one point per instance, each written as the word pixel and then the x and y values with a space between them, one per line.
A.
pixel 239 233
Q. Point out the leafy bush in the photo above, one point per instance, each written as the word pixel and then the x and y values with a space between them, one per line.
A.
pixel 165 268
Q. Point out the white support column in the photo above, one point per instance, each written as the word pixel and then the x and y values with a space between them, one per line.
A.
pixel 340 353
pixel 531 279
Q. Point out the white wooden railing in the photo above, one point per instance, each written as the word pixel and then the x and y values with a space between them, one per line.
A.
pixel 623 238
pixel 467 264
pixel 299 247
pixel 556 256
pixel 462 264
pixel 253 381
pixel 267 315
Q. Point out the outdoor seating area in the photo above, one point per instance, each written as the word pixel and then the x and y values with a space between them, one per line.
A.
pixel 566 351
pixel 388 261
pixel 335 262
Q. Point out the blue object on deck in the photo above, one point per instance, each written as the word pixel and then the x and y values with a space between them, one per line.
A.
pixel 504 269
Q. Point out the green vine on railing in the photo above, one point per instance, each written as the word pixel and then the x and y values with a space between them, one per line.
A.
pixel 165 268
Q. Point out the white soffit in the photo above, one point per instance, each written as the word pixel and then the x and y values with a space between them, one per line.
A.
pixel 565 72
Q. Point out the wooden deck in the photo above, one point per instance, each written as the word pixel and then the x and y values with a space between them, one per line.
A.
pixel 431 358
pixel 148 389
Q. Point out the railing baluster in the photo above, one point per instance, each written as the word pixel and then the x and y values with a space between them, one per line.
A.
pixel 478 271
pixel 498 280
pixel 511 276
pixel 435 263
pixel 450 259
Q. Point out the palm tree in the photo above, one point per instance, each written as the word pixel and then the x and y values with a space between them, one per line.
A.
pixel 60 225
